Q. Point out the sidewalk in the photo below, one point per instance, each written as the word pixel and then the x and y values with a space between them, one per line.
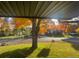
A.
pixel 52 38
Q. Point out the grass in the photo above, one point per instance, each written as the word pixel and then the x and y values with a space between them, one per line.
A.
pixel 66 35
pixel 61 35
pixel 11 37
pixel 45 49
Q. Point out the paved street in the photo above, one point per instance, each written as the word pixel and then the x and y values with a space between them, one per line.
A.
pixel 29 40
pixel 42 39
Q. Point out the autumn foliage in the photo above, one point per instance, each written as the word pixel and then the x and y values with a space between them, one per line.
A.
pixel 23 22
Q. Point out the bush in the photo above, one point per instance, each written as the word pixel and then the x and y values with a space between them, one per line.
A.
pixel 55 33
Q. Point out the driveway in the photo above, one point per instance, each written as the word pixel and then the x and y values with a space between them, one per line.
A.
pixel 73 40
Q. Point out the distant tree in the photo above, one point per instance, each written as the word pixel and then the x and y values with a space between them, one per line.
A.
pixel 77 30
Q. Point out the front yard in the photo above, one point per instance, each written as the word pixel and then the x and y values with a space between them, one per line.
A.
pixel 45 49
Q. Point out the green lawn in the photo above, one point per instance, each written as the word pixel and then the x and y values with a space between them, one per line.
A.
pixel 45 49
pixel 11 37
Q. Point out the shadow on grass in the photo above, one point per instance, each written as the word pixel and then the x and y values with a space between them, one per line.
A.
pixel 74 42
pixel 44 53
pixel 19 53
pixel 75 46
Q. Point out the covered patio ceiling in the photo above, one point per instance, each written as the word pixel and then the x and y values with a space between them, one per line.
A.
pixel 47 9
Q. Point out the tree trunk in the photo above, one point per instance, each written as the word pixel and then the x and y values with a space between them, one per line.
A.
pixel 35 30
pixel 34 36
